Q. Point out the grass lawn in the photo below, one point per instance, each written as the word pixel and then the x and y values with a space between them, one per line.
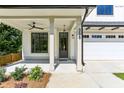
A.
pixel 119 75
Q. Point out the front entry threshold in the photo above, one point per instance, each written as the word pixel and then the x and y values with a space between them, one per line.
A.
pixel 66 60
pixel 63 59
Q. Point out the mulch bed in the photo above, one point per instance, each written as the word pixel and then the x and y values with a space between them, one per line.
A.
pixel 11 83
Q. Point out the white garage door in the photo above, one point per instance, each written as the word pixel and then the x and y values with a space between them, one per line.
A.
pixel 103 50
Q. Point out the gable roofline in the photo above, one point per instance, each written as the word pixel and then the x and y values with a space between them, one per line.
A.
pixel 45 6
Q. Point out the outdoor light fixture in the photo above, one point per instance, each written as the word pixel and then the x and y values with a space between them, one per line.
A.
pixel 64 29
pixel 72 36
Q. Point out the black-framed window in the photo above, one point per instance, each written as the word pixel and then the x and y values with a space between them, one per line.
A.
pixel 39 42
pixel 110 36
pixel 104 9
pixel 96 36
pixel 120 36
pixel 85 36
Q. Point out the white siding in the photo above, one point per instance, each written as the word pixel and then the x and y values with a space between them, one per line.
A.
pixel 27 47
pixel 72 44
pixel 118 15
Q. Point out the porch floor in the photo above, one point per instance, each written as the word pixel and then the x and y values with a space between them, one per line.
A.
pixel 69 65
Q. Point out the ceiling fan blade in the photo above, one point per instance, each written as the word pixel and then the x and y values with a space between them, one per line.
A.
pixel 30 25
pixel 30 28
pixel 33 26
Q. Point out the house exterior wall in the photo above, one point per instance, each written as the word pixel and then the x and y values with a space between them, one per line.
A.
pixel 104 48
pixel 27 45
pixel 116 17
pixel 72 44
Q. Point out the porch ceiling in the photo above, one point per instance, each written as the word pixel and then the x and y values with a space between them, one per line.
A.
pixel 21 17
pixel 22 24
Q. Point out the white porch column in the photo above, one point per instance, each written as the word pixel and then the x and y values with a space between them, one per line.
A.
pixel 79 45
pixel 51 44
pixel 23 44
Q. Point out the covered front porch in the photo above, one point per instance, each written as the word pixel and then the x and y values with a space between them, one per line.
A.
pixel 58 39
pixel 59 67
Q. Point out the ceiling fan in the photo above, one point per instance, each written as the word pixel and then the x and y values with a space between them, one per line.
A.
pixel 33 25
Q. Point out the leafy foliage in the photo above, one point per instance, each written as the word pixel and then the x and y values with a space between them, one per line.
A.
pixel 10 39
pixel 2 74
pixel 36 73
pixel 18 74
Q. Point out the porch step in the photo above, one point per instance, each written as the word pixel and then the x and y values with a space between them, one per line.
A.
pixel 66 61
pixel 47 61
pixel 63 59
pixel 36 61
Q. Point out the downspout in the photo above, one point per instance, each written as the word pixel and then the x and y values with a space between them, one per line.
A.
pixel 86 12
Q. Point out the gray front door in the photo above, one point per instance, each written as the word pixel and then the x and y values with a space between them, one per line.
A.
pixel 63 44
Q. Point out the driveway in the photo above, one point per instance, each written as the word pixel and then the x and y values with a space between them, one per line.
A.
pixel 101 73
pixel 96 74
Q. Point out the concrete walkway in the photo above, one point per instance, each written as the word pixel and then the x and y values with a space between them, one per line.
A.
pixel 95 75
pixel 84 80
pixel 71 80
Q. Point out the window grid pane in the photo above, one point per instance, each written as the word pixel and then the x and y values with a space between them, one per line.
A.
pixel 39 42
pixel 105 10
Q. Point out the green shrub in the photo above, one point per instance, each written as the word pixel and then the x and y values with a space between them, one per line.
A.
pixel 18 74
pixel 36 73
pixel 2 74
pixel 10 39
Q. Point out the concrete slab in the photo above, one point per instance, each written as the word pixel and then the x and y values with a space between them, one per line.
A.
pixel 66 68
pixel 71 80
pixel 104 66
pixel 107 80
